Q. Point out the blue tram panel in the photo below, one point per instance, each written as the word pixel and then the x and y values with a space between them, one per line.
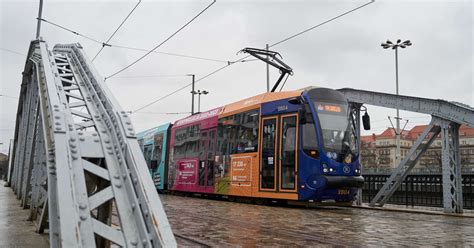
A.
pixel 329 167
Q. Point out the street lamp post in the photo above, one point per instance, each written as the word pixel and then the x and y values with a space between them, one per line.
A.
pixel 199 93
pixel 395 46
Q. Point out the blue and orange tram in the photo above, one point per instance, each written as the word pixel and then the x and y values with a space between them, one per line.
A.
pixel 294 145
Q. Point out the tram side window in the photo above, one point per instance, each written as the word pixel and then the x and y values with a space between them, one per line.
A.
pixel 186 142
pixel 158 147
pixel 239 133
pixel 308 133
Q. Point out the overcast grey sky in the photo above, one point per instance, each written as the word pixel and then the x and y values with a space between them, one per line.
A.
pixel 343 53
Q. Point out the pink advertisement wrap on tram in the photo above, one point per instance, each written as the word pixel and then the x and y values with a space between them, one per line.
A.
pixel 184 175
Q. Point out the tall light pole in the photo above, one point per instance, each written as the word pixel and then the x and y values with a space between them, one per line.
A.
pixel 199 93
pixel 399 44
pixel 192 93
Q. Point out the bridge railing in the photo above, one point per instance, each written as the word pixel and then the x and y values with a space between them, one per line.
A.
pixel 418 189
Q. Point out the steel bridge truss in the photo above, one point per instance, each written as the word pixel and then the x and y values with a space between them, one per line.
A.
pixel 446 120
pixel 75 160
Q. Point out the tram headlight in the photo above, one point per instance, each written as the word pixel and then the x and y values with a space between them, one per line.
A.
pixel 325 170
pixel 331 169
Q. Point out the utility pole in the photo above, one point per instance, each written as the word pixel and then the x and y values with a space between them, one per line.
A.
pixel 268 72
pixel 192 94
pixel 40 13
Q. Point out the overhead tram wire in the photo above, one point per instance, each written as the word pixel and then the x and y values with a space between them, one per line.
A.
pixel 13 52
pixel 185 86
pixel 72 31
pixel 322 23
pixel 153 76
pixel 172 54
pixel 163 113
pixel 243 58
pixel 126 47
pixel 163 42
pixel 117 29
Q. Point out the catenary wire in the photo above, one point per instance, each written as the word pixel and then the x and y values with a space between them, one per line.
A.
pixel 163 42
pixel 9 96
pixel 172 54
pixel 152 76
pixel 130 48
pixel 243 59
pixel 185 86
pixel 117 29
pixel 11 51
pixel 72 31
pixel 165 113
pixel 322 23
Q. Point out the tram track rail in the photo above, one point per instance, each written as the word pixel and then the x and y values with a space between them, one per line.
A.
pixel 194 242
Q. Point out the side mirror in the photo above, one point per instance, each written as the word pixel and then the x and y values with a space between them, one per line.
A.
pixel 366 121
pixel 295 100
pixel 154 164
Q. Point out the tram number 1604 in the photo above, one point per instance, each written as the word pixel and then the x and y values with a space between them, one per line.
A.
pixel 343 192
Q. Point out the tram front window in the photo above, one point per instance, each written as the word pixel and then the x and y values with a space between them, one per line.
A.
pixel 337 130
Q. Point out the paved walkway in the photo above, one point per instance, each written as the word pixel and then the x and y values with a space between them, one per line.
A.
pixel 222 224
pixel 15 229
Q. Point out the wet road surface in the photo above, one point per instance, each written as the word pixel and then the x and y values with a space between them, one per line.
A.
pixel 218 223
pixel 199 222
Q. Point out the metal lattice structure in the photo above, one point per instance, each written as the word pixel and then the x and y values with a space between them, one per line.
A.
pixel 75 158
pixel 446 120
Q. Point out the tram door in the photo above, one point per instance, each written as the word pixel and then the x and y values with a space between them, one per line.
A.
pixel 278 164
pixel 207 149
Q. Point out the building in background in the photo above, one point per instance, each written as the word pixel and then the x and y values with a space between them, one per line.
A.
pixel 378 151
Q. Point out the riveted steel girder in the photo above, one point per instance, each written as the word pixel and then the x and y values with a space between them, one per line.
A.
pixel 446 120
pixel 76 158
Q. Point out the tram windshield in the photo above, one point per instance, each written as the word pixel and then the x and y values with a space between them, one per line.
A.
pixel 338 130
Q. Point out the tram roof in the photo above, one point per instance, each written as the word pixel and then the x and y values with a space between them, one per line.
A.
pixel 153 130
pixel 255 101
